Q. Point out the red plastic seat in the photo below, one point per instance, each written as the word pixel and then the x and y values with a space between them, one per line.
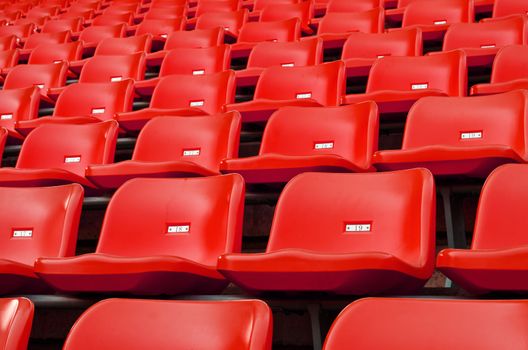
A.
pixel 188 61
pixel 352 6
pixel 103 68
pixel 159 236
pixel 280 12
pixel 331 139
pixel 435 18
pixel 46 54
pixel 113 19
pixel 166 12
pixel 310 86
pixel 230 21
pixel 448 324
pixel 462 136
pixel 85 13
pixel 322 240
pixel 8 42
pixel 205 6
pixel 61 25
pixel 307 52
pixel 92 36
pixel 42 11
pixel 258 5
pixel 37 39
pixel 175 147
pixel 502 8
pixel 58 154
pixel 160 28
pixel 15 105
pixel 228 324
pixel 510 72
pixel 16 316
pixel 496 260
pixel 40 221
pixel 21 31
pixel 253 33
pixel 86 103
pixel 361 50
pixel 335 27
pixel 396 83
pixel 481 41
pixel 8 59
pixel 195 95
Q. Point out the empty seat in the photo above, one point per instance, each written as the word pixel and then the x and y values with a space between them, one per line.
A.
pixel 15 105
pixel 345 234
pixel 58 154
pixel 279 12
pixel 188 61
pixel 108 19
pixel 195 95
pixel 307 52
pixel 227 324
pixel 496 260
pixel 462 136
pixel 230 21
pixel 510 71
pixel 502 8
pixel 37 39
pixel 92 36
pixel 21 31
pixel 253 33
pixel 46 54
pixel 8 59
pixel 331 139
pixel 215 6
pixel 448 324
pixel 159 236
pixel 175 147
pixel 41 221
pixel 103 68
pixel 160 28
pixel 16 315
pixel 8 42
pixel 481 41
pixel 335 27
pixel 361 50
pixel 434 17
pixel 166 12
pixel 85 13
pixel 61 25
pixel 310 86
pixel 395 83
pixel 352 6
pixel 86 103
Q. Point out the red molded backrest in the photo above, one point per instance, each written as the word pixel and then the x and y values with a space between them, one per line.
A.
pixel 444 71
pixel 96 34
pixel 8 42
pixel 61 25
pixel 46 39
pixel 230 21
pixel 18 104
pixel 16 316
pixel 258 5
pixel 485 34
pixel 101 100
pixel 103 68
pixel 438 12
pixel 279 12
pixel 324 83
pixel 391 213
pixel 45 54
pixel 9 58
pixel 208 92
pixel 340 22
pixel 202 140
pixel 42 75
pixel 144 214
pixel 20 31
pixel 353 6
pixel 205 6
pixel 160 27
pixel 469 121
pixel 164 325
pixel 39 222
pixel 509 7
pixel 374 45
pixel 510 63
pixel 124 46
pixel 196 61
pixel 350 132
pixel 288 54
pixel 68 146
pixel 281 31
pixel 198 38
pixel 166 12
pixel 501 216
pixel 390 323
pixel 108 19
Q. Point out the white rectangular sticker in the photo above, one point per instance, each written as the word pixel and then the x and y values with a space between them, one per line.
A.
pixel 488 46
pixel 23 233
pixel 98 110
pixel 6 116
pixel 41 86
pixel 196 103
pixel 304 95
pixel 114 79
pixel 324 145
pixel 72 159
pixel 287 65
pixel 440 22
pixel 358 227
pixel 57 61
pixel 199 72
pixel 191 152
pixel 164 36
pixel 178 228
pixel 471 135
pixel 421 86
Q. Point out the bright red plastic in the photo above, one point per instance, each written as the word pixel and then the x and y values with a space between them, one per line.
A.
pixel 16 105
pixel 230 21
pixel 16 316
pixel 502 8
pixel 46 54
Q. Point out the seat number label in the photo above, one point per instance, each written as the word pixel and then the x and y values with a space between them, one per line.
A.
pixel 199 72
pixel 358 227
pixel 178 228
pixel 471 135
pixel 6 116
pixel 41 86
pixel 324 145
pixel 191 152
pixel 114 79
pixel 72 159
pixel 98 110
pixel 196 103
pixel 22 233
pixel 488 46
pixel 288 64
pixel 420 86
pixel 443 21
pixel 303 95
